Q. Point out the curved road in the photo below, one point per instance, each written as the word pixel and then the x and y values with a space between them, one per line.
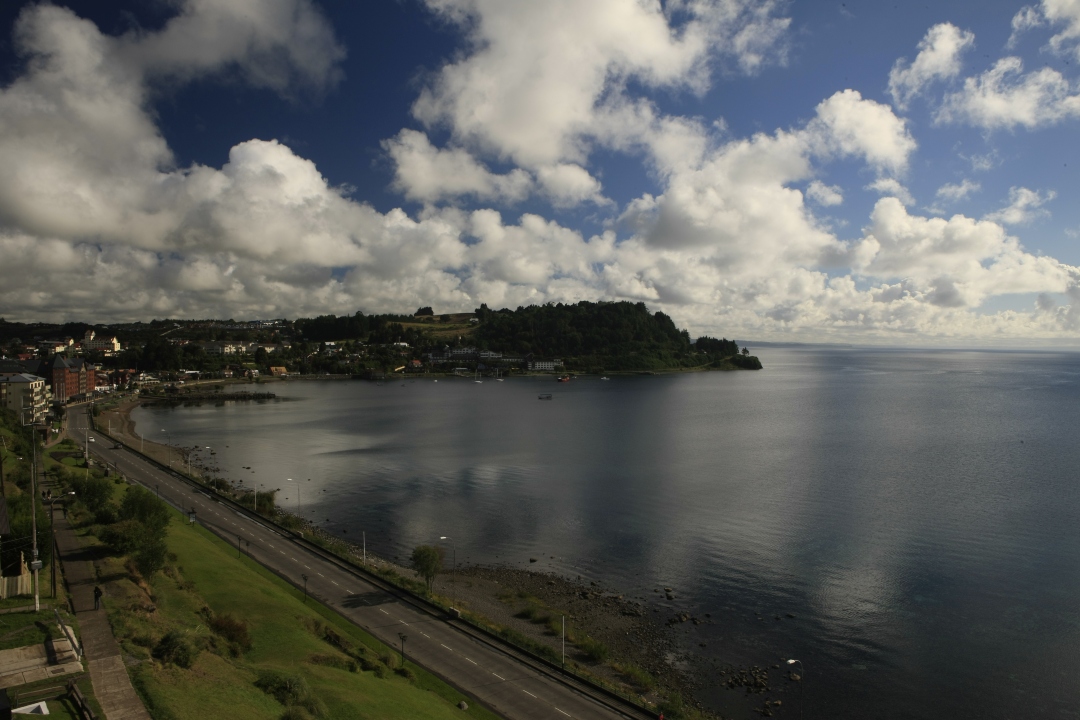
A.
pixel 510 683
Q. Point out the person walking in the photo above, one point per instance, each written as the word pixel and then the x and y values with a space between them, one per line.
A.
pixel 97 597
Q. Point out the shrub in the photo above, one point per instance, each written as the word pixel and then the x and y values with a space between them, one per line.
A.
pixel 232 629
pixel 175 649
pixel 93 492
pixel 290 690
pixel 405 672
pixel 294 713
pixel 125 536
pixel 151 557
pixel 593 649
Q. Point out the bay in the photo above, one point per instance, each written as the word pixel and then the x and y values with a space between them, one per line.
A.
pixel 917 511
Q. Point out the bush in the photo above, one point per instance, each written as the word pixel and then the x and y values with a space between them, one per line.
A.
pixel 593 649
pixel 93 492
pixel 175 649
pixel 294 713
pixel 289 690
pixel 232 629
pixel 405 672
pixel 142 505
pixel 125 536
pixel 151 557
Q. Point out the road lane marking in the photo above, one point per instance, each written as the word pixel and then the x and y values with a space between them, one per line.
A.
pixel 499 676
pixel 448 648
pixel 527 692
pixel 470 660
pixel 425 634
pixel 383 611
pixel 319 574
pixel 564 713
pixel 335 583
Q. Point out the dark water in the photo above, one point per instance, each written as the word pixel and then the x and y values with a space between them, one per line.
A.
pixel 919 512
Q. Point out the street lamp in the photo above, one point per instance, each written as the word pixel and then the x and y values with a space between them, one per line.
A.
pixel 403 637
pixel 802 697
pixel 453 592
pixel 305 587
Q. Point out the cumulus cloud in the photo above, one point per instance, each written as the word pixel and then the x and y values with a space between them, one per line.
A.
pixel 285 45
pixel 893 188
pixel 92 199
pixel 427 173
pixel 825 195
pixel 952 192
pixel 542 83
pixel 938 59
pixel 848 124
pixel 1005 96
pixel 1065 14
pixel 1024 206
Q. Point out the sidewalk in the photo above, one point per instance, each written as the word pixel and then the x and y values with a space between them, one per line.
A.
pixel 112 687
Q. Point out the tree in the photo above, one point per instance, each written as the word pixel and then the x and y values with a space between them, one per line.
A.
pixel 424 311
pixel 142 505
pixel 745 351
pixel 427 561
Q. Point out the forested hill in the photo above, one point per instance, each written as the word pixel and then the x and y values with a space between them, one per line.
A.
pixel 599 336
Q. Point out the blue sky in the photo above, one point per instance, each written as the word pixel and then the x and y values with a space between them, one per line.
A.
pixel 856 171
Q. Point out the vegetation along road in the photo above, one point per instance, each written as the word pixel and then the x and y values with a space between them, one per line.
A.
pixel 507 682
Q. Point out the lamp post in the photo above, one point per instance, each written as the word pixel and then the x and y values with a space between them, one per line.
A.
pixel 802 696
pixel 453 592
pixel 305 587
pixel 403 637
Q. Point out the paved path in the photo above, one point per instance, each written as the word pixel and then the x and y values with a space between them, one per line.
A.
pixel 112 687
pixel 509 682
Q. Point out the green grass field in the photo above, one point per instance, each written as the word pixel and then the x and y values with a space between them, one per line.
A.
pixel 207 574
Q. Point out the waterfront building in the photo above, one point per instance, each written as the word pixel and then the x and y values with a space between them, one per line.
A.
pixel 25 395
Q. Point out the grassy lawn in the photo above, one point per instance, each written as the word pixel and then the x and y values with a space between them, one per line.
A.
pixel 204 580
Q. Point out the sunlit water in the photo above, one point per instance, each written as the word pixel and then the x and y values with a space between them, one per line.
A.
pixel 918 512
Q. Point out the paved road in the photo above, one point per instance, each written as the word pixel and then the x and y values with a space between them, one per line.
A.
pixel 505 681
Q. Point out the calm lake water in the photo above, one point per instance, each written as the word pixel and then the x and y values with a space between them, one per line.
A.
pixel 918 511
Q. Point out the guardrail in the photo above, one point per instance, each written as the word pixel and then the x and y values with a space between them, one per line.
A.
pixel 551 669
pixel 79 701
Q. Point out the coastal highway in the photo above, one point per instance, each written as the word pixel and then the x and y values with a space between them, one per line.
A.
pixel 506 681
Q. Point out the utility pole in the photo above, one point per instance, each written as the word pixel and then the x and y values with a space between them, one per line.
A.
pixel 35 563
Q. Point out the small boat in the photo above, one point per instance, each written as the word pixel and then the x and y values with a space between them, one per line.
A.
pixel 564 378
pixel 545 396
pixel 605 378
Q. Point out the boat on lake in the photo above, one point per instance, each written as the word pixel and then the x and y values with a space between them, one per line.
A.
pixel 545 396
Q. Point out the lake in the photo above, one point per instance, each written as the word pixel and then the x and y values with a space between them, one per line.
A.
pixel 917 511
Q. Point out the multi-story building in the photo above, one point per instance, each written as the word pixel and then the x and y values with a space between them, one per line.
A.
pixel 25 395
pixel 542 365
pixel 108 345
pixel 71 378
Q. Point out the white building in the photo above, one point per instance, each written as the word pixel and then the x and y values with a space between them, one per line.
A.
pixel 25 395
pixel 107 345
pixel 542 365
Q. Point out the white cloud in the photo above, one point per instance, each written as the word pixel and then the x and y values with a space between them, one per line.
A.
pixel 91 200
pixel 1067 13
pixel 285 45
pixel 1024 206
pixel 938 59
pixel 847 124
pixel 568 184
pixel 542 83
pixel 952 192
pixel 892 188
pixel 1004 97
pixel 426 173
pixel 1025 19
pixel 825 195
